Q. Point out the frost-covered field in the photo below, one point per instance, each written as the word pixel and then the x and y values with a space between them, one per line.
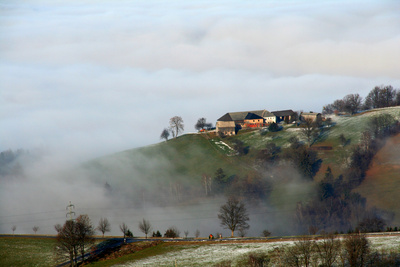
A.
pixel 353 126
pixel 208 255
pixel 391 243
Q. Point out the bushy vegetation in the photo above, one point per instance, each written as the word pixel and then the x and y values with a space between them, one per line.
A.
pixel 352 250
pixel 172 232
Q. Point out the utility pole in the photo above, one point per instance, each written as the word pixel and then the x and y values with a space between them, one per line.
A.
pixel 70 212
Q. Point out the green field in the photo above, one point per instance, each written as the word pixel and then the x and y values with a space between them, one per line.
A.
pixel 24 251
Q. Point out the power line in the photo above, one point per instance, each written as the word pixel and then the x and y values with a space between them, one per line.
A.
pixel 33 213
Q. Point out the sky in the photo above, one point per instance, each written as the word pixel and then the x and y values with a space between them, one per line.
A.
pixel 95 77
pixel 83 79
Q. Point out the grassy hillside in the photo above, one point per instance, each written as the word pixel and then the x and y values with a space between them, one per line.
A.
pixel 185 159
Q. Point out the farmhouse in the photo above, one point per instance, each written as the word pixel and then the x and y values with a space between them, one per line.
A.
pixel 231 122
pixel 317 117
pixel 284 115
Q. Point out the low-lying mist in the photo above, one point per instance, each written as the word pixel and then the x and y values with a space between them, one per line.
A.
pixel 127 187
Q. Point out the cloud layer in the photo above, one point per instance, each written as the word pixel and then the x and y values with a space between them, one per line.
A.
pixel 108 75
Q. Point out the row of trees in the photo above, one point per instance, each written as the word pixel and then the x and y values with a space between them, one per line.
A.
pixel 76 236
pixel 379 97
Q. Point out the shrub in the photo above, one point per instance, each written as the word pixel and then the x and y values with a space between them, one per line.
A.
pixel 273 127
pixel 172 232
pixel 129 233
pixel 258 260
pixel 266 233
pixel 158 234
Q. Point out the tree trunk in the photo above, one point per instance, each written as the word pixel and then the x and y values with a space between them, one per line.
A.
pixel 232 234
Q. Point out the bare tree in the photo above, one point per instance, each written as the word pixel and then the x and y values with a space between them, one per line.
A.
pixel 176 124
pixel 74 237
pixel 145 227
pixel 84 232
pixel 124 229
pixel 304 246
pixel 352 103
pixel 233 215
pixel 328 249
pixel 13 228
pixel 380 96
pixel 67 241
pixel 310 131
pixel 186 233
pixel 104 226
pixel 357 248
pixel 197 233
pixel 58 227
pixel 165 134
pixel 201 124
pixel 35 228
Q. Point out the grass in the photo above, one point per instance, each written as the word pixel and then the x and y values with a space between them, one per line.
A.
pixel 158 250
pixel 24 251
pixel 183 159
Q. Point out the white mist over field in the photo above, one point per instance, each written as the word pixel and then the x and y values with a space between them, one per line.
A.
pixel 41 194
pixel 83 79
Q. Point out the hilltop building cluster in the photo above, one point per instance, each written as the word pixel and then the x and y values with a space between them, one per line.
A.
pixel 232 122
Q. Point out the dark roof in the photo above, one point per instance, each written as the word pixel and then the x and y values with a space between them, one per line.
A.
pixel 234 116
pixel 240 116
pixel 226 117
pixel 252 116
pixel 282 113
